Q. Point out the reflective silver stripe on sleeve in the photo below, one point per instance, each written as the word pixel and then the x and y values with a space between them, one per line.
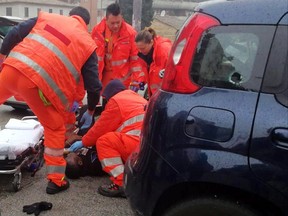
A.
pixel 134 58
pixel 130 121
pixel 117 171
pixel 26 60
pixel 134 132
pixel 55 169
pixel 134 69
pixel 111 161
pixel 117 63
pixel 53 152
pixel 126 76
pixel 58 53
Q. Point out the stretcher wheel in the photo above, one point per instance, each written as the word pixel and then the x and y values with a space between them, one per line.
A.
pixel 17 182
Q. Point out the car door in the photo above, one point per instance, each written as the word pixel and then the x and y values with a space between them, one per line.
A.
pixel 269 146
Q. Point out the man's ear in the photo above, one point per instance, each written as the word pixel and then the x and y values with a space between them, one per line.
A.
pixel 80 162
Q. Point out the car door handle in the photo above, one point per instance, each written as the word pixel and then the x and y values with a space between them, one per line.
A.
pixel 280 136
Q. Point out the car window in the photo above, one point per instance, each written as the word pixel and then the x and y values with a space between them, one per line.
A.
pixel 227 56
pixel 5 29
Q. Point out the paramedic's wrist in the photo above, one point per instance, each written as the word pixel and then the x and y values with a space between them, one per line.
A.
pixel 91 112
pixel 75 146
pixel 87 119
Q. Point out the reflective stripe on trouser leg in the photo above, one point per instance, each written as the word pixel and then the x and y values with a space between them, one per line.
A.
pixel 109 149
pixel 114 166
pixel 48 116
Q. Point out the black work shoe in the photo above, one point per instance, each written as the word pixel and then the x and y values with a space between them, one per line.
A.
pixel 111 190
pixel 52 188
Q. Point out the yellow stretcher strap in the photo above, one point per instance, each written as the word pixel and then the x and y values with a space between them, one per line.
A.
pixel 43 98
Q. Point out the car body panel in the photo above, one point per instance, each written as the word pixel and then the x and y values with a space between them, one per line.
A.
pixel 238 11
pixel 6 23
pixel 226 138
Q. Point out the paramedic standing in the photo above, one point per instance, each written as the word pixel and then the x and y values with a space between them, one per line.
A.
pixel 154 52
pixel 116 48
pixel 48 58
pixel 116 134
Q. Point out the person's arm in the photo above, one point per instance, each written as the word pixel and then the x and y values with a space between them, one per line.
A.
pixel 16 35
pixel 109 121
pixel 91 80
pixel 136 67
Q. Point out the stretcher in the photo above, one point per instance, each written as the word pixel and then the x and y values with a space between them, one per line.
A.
pixel 21 147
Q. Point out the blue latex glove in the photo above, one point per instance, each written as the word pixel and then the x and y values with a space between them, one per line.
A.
pixel 74 106
pixel 136 86
pixel 141 86
pixel 86 120
pixel 75 146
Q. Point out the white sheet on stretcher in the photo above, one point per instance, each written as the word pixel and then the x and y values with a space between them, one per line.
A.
pixel 19 135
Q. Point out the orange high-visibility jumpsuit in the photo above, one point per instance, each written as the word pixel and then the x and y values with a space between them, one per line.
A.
pixel 116 133
pixel 121 56
pixel 48 62
pixel 162 47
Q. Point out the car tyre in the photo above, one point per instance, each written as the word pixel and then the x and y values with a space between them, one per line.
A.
pixel 208 207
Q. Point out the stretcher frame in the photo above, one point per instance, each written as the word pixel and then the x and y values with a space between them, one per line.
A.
pixel 31 159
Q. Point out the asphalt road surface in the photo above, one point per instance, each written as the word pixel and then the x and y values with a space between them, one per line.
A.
pixel 80 199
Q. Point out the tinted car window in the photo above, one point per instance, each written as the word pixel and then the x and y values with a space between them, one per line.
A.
pixel 226 56
pixel 275 80
pixel 5 29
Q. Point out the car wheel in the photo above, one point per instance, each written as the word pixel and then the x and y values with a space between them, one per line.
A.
pixel 208 207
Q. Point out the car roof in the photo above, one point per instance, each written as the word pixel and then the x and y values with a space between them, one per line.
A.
pixel 245 11
pixel 10 20
pixel 6 22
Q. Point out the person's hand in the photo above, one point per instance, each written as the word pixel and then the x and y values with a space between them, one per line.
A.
pixel 74 107
pixel 136 86
pixel 86 119
pixel 142 86
pixel 75 146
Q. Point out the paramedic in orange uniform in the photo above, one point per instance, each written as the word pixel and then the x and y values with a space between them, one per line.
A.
pixel 116 48
pixel 154 52
pixel 48 59
pixel 115 134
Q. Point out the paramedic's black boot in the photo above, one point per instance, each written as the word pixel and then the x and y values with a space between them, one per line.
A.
pixel 52 188
pixel 111 190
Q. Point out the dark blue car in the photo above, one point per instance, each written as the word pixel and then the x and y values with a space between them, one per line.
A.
pixel 215 136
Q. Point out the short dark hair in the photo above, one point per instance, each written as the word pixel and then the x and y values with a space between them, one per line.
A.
pixel 73 170
pixel 113 9
pixel 82 12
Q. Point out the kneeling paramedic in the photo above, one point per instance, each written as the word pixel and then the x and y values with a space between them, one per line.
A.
pixel 115 134
pixel 49 60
